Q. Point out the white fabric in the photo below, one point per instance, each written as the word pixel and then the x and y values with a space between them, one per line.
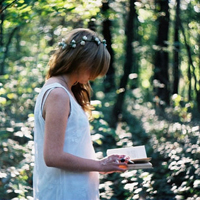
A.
pixel 56 184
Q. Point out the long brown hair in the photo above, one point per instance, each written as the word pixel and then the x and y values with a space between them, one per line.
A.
pixel 90 56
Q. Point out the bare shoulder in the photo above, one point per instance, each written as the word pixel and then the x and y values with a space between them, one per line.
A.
pixel 59 95
pixel 55 102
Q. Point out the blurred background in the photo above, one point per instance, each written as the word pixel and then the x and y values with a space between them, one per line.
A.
pixel 150 95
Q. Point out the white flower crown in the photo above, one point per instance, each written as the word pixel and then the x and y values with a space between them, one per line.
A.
pixel 73 43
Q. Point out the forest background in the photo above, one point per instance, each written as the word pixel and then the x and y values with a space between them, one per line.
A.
pixel 150 96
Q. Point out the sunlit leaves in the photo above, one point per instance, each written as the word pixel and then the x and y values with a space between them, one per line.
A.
pixel 2 100
pixel 174 146
pixel 181 160
pixel 16 160
pixel 20 11
pixel 11 95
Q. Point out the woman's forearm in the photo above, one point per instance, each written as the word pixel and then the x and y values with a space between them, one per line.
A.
pixel 73 163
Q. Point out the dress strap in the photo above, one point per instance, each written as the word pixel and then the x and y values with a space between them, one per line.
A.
pixel 44 97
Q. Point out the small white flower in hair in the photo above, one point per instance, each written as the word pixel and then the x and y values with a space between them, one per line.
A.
pixel 62 44
pixel 73 44
pixel 84 37
pixel 73 41
pixel 104 42
pixel 82 43
pixel 97 40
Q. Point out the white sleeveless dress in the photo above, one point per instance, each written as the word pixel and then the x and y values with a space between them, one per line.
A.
pixel 51 183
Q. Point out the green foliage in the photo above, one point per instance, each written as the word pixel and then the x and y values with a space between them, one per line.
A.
pixel 19 91
pixel 29 31
pixel 176 160
pixel 16 169
pixel 182 108
pixel 173 146
pixel 16 160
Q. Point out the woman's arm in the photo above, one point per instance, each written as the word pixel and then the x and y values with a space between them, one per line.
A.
pixel 56 113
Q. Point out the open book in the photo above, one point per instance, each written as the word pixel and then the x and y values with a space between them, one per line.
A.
pixel 137 155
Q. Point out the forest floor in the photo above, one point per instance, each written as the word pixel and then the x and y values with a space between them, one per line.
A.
pixel 174 146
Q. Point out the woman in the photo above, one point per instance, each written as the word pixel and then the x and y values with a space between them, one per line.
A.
pixel 65 163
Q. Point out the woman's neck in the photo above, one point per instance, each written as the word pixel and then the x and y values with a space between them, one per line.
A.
pixel 68 80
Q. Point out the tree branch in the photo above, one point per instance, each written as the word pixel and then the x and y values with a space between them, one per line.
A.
pixel 190 57
pixel 7 49
pixel 1 11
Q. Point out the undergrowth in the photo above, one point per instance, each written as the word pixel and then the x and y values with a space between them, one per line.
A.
pixel 174 146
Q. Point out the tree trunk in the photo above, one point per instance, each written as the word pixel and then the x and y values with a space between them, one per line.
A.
pixel 1 38
pixel 161 74
pixel 109 82
pixel 92 26
pixel 176 73
pixel 198 93
pixel 6 52
pixel 136 56
pixel 189 82
pixel 117 109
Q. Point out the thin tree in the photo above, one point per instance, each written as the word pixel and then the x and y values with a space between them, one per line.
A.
pixel 109 82
pixel 2 17
pixel 117 109
pixel 176 73
pixel 161 74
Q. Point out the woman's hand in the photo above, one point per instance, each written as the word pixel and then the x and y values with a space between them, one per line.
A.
pixel 113 163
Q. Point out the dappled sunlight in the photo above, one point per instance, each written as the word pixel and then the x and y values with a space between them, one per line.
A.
pixel 100 94
pixel 124 137
pixel 108 192
pixel 170 132
pixel 128 174
pixel 175 153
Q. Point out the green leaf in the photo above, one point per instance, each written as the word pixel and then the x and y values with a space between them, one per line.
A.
pixel 2 101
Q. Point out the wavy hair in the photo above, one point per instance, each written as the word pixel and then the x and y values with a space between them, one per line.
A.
pixel 90 56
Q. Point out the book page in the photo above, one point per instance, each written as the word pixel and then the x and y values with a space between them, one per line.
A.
pixel 140 166
pixel 133 152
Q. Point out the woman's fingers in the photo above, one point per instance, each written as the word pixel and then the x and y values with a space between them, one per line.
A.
pixel 114 163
